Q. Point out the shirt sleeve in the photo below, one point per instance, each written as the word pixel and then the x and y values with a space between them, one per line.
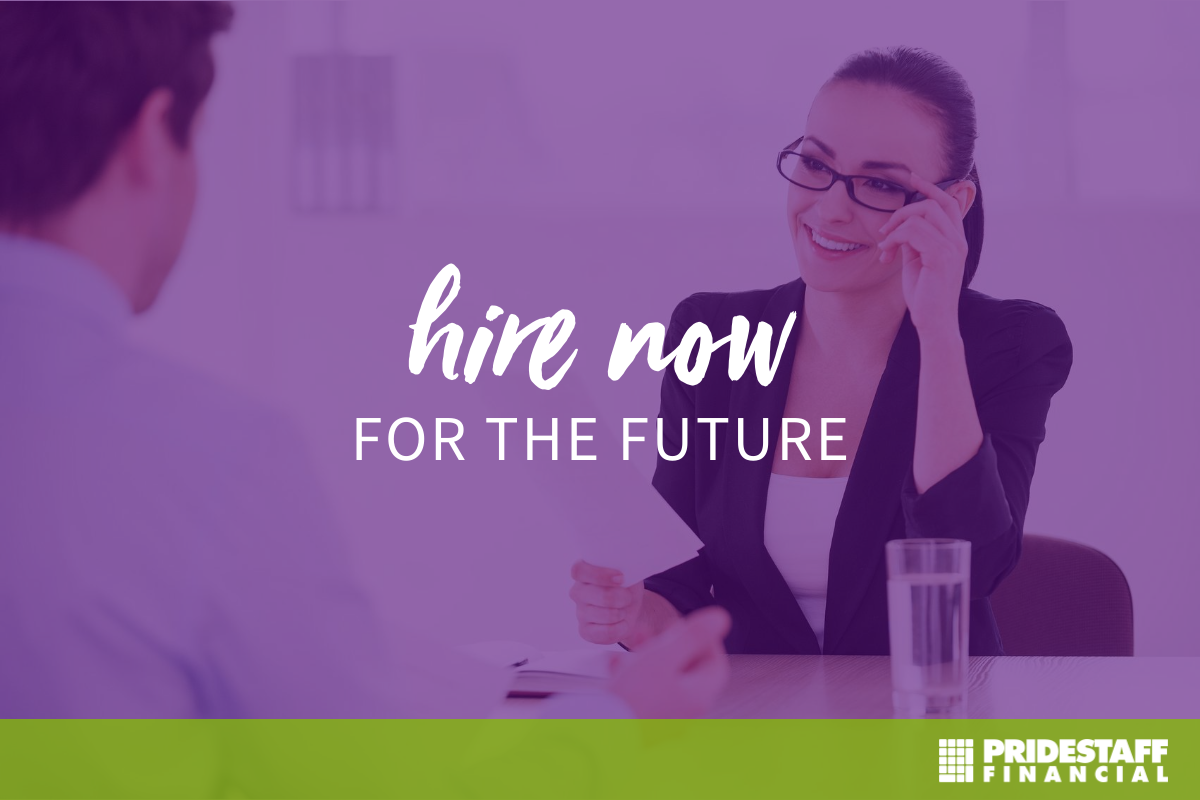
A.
pixel 984 500
pixel 687 586
pixel 290 631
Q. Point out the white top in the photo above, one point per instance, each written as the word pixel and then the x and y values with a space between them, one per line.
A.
pixel 798 530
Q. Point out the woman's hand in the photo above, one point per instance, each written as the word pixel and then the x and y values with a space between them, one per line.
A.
pixel 929 237
pixel 607 611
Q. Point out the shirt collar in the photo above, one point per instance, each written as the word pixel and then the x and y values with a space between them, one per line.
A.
pixel 49 271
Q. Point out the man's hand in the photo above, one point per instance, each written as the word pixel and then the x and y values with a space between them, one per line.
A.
pixel 679 673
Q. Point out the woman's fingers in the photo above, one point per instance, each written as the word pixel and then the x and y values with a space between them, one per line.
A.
pixel 602 634
pixel 598 615
pixel 940 209
pixel 607 610
pixel 939 196
pixel 605 597
pixel 902 215
pixel 917 232
pixel 584 572
pixel 907 230
pixel 950 228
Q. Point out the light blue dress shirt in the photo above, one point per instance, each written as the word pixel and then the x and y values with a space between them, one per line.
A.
pixel 165 550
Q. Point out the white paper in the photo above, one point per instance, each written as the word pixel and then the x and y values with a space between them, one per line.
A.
pixel 618 518
pixel 621 521
pixel 614 514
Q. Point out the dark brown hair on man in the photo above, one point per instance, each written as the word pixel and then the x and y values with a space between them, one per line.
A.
pixel 73 77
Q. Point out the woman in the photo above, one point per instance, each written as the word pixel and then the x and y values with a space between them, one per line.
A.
pixel 944 391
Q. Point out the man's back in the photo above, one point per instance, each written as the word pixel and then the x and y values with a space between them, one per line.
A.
pixel 164 546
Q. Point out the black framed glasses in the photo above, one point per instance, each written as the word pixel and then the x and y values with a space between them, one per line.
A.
pixel 877 194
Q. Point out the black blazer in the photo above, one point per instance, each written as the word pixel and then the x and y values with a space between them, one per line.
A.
pixel 1018 355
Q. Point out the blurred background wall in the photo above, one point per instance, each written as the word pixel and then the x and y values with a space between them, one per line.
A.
pixel 612 159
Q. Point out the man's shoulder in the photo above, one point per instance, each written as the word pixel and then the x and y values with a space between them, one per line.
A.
pixel 148 414
pixel 158 383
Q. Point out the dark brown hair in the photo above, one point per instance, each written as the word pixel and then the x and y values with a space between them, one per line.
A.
pixel 943 92
pixel 73 76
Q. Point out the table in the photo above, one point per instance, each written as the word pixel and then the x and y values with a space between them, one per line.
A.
pixel 1039 687
pixel 1035 687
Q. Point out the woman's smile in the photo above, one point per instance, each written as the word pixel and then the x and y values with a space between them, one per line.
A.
pixel 827 246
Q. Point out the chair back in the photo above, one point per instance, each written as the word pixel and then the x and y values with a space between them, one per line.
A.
pixel 1064 599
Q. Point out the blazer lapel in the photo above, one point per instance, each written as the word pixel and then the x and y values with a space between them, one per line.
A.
pixel 747 481
pixel 872 500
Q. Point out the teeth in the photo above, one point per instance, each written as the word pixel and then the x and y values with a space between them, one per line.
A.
pixel 828 244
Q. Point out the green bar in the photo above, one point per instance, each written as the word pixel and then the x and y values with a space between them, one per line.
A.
pixel 558 758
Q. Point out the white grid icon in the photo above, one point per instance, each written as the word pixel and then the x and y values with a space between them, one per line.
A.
pixel 956 760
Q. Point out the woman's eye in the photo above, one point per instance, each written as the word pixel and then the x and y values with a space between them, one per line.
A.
pixel 885 186
pixel 813 164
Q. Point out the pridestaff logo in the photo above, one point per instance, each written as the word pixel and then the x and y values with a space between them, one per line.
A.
pixel 1054 760
pixel 956 760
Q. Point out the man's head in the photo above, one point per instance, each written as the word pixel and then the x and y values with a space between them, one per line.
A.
pixel 98 103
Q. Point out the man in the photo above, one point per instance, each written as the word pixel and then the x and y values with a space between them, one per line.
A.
pixel 164 550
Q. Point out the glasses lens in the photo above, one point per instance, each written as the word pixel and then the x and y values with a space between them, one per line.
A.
pixel 806 171
pixel 880 194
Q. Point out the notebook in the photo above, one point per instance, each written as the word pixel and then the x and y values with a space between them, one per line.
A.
pixel 540 674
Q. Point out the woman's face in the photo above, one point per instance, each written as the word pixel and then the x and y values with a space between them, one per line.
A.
pixel 857 129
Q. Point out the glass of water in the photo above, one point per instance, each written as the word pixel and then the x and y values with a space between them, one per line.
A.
pixel 929 603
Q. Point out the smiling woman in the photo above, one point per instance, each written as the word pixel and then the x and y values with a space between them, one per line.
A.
pixel 944 390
